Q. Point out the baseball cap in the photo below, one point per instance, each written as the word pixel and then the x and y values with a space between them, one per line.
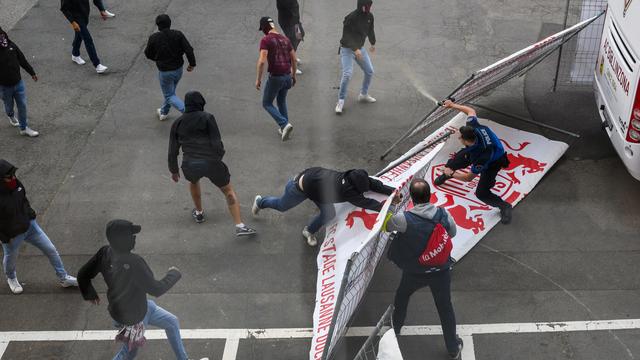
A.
pixel 264 21
pixel 120 234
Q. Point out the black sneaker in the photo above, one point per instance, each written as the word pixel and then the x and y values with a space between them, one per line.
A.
pixel 456 355
pixel 245 230
pixel 199 218
pixel 441 179
pixel 505 214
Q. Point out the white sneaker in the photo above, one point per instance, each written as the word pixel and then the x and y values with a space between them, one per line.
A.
pixel 286 132
pixel 161 116
pixel 78 60
pixel 298 60
pixel 298 72
pixel 109 14
pixel 101 68
pixel 366 98
pixel 29 132
pixel 255 209
pixel 69 281
pixel 14 285
pixel 311 238
pixel 13 121
pixel 339 106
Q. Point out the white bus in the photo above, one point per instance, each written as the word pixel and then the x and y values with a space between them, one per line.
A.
pixel 616 80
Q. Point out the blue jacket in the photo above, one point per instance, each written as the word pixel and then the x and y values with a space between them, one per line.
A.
pixel 486 149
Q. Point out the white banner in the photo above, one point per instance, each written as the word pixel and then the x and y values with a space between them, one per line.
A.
pixel 355 233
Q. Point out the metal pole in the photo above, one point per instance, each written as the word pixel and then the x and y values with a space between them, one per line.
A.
pixel 426 146
pixel 564 26
pixel 562 131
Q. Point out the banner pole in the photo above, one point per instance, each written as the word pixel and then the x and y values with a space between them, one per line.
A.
pixel 406 157
pixel 523 119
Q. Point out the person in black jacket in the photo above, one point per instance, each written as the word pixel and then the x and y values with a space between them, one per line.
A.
pixel 18 224
pixel 325 187
pixel 11 85
pixel 77 12
pixel 167 47
pixel 129 279
pixel 289 21
pixel 357 26
pixel 197 133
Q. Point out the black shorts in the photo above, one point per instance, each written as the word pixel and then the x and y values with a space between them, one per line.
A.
pixel 214 170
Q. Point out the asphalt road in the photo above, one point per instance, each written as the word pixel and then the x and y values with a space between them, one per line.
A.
pixel 570 253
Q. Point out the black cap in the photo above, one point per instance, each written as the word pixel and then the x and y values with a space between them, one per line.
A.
pixel 264 21
pixel 120 234
pixel 7 168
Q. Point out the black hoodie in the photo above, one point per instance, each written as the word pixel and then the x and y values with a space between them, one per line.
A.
pixel 356 27
pixel 77 10
pixel 196 132
pixel 11 59
pixel 327 186
pixel 129 279
pixel 167 46
pixel 15 211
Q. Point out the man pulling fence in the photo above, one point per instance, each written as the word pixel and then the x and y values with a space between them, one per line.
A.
pixel 484 152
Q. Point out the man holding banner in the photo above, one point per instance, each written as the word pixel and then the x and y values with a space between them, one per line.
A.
pixel 484 152
pixel 422 250
pixel 325 187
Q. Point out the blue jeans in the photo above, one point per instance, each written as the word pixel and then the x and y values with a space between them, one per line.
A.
pixel 291 198
pixel 36 237
pixel 85 35
pixel 277 87
pixel 168 83
pixel 440 284
pixel 17 94
pixel 163 319
pixel 346 58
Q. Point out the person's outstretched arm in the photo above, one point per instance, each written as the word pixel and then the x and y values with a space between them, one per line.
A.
pixel 465 109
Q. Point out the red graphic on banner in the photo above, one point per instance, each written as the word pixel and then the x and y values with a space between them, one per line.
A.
pixel 518 149
pixel 524 165
pixel 368 219
pixel 461 214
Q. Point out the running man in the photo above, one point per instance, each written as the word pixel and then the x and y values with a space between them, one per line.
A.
pixel 197 133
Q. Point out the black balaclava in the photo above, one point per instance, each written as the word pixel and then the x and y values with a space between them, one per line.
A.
pixel 163 21
pixel 366 4
pixel 7 168
pixel 121 235
pixel 194 101
pixel 359 179
pixel 4 39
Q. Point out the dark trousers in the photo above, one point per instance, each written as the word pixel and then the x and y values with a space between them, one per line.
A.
pixel 440 284
pixel 487 178
pixel 290 33
pixel 85 35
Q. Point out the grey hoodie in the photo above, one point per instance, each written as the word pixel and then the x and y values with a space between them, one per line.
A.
pixel 426 211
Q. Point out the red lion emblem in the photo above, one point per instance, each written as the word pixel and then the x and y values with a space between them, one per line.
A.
pixel 368 219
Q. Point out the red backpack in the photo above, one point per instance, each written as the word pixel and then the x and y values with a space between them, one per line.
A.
pixel 439 245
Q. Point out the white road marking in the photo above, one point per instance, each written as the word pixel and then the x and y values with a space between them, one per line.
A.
pixel 468 350
pixel 300 333
pixel 233 336
pixel 231 349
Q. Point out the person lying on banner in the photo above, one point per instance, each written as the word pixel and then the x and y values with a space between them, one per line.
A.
pixel 325 187
pixel 484 152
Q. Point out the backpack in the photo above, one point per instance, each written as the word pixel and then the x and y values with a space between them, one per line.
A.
pixel 414 254
pixel 439 245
